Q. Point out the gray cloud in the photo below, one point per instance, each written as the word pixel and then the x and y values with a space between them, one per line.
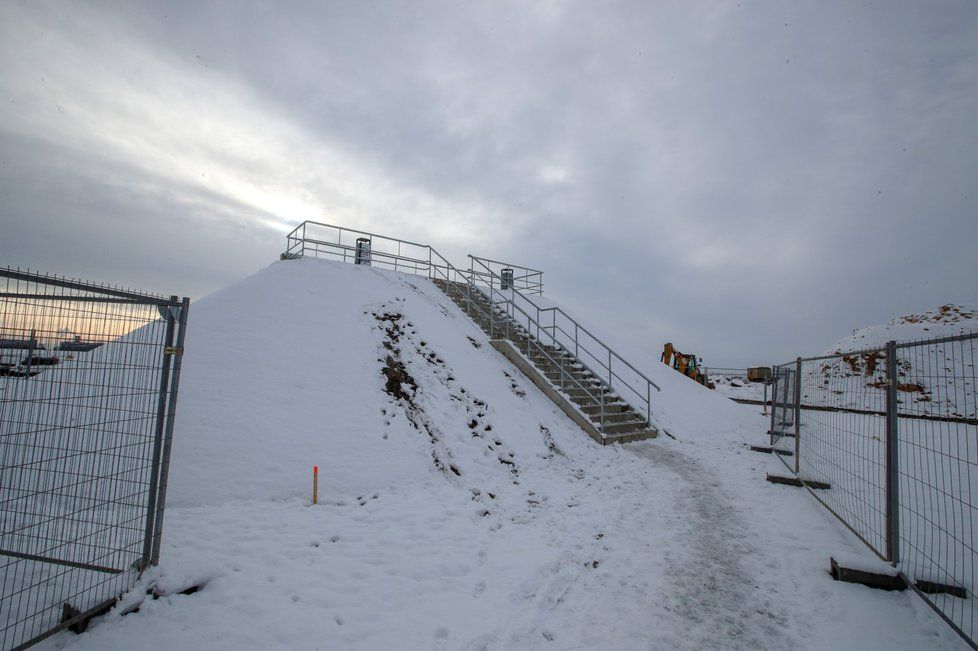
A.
pixel 750 182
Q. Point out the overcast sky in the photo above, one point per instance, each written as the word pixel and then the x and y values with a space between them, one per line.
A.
pixel 750 181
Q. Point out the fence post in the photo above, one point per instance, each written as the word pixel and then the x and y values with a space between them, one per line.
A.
pixel 797 415
pixel 774 400
pixel 168 434
pixel 892 458
pixel 160 429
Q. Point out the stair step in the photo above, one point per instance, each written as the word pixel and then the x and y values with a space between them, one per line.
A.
pixel 547 365
pixel 624 428
pixel 618 418
pixel 594 411
pixel 571 378
pixel 591 394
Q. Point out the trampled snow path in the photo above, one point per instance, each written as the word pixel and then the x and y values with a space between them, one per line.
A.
pixel 538 539
pixel 707 583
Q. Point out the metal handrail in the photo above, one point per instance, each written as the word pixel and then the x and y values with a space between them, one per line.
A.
pixel 470 287
pixel 605 349
pixel 530 280
pixel 435 266
pixel 342 229
pixel 531 322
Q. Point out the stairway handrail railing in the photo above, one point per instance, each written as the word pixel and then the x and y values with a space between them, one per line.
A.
pixel 472 287
pixel 527 279
pixel 611 353
pixel 423 260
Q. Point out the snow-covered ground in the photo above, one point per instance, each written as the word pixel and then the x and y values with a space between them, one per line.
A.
pixel 459 508
pixel 736 385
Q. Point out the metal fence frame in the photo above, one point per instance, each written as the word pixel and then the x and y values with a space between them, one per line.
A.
pixel 86 427
pixel 893 432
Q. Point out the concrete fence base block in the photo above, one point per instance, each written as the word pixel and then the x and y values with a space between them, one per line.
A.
pixel 766 449
pixel 795 481
pixel 878 580
pixel 933 587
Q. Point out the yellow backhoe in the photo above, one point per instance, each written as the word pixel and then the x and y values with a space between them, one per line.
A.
pixel 685 364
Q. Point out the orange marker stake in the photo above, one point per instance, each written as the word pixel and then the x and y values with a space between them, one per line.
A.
pixel 315 484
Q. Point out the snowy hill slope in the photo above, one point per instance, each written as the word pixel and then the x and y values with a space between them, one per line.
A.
pixel 293 390
pixel 459 508
pixel 944 321
pixel 935 380
pixel 280 389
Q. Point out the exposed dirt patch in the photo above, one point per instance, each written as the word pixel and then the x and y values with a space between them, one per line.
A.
pixel 548 440
pixel 862 363
pixel 403 388
pixel 514 386
pixel 397 379
pixel 906 387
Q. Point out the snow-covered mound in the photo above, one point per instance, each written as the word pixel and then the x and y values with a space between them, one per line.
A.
pixel 372 375
pixel 458 507
pixel 934 380
pixel 295 366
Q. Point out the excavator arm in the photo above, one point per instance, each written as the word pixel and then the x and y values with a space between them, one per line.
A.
pixel 685 364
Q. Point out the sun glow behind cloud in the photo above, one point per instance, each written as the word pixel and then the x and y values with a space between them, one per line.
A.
pixel 107 98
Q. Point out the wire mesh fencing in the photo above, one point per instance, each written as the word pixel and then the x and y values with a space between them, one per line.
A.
pixel 88 387
pixel 892 432
pixel 783 405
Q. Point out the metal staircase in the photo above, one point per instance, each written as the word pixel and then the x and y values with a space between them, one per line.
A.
pixel 604 394
pixel 585 396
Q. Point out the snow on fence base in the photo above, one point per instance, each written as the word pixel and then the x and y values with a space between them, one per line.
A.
pixel 872 579
pixel 84 447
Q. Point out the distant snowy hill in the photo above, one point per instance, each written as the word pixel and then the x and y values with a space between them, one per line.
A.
pixel 944 321
pixel 935 380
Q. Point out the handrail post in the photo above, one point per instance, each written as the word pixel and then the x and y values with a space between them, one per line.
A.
pixel 561 371
pixel 601 418
pixel 468 298
pixel 648 404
